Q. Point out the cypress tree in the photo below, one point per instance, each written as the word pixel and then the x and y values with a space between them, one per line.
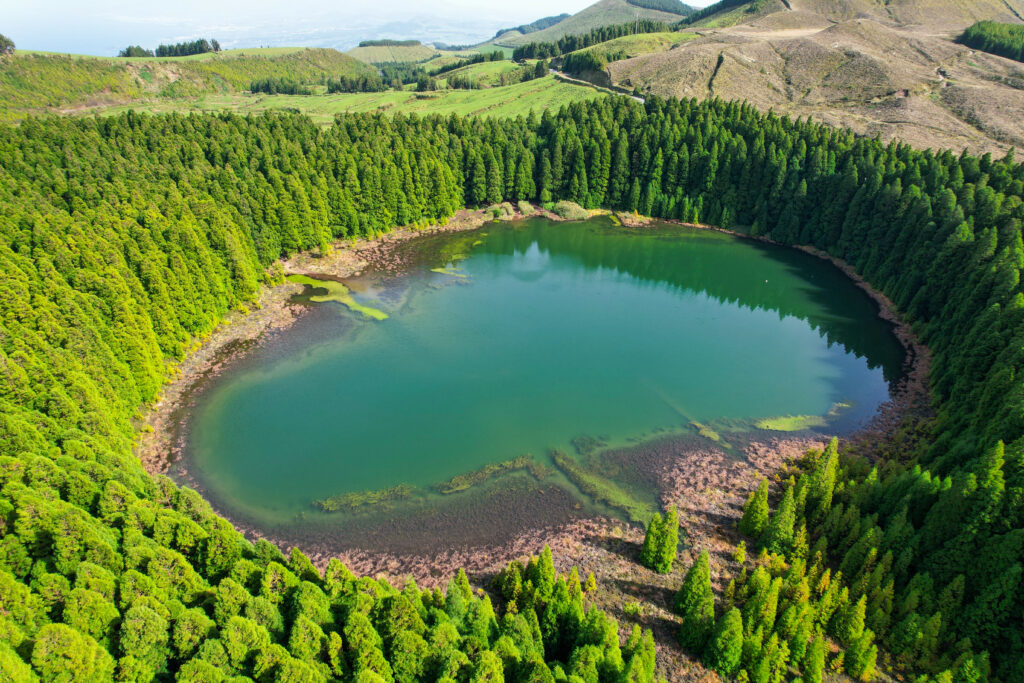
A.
pixel 725 649
pixel 861 656
pixel 652 542
pixel 495 184
pixel 669 541
pixel 823 481
pixel 755 512
pixel 696 603
pixel 478 180
pixel 812 667
pixel 778 537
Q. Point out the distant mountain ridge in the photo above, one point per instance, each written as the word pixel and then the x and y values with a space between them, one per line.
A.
pixel 601 13
pixel 538 25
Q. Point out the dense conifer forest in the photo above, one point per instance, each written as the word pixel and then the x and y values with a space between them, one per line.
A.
pixel 571 43
pixel 1005 40
pixel 125 239
pixel 671 6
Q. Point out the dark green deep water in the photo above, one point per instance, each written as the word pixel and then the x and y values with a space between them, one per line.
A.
pixel 556 330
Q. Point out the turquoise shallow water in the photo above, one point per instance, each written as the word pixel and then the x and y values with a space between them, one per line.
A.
pixel 548 332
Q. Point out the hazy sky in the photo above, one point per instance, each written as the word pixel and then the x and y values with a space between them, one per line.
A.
pixel 105 26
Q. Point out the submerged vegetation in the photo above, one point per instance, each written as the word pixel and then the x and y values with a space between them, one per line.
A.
pixel 338 293
pixel 463 482
pixel 362 499
pixel 600 489
pixel 105 568
pixel 790 423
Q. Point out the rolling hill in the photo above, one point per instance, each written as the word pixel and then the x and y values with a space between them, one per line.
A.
pixel 887 69
pixel 383 54
pixel 602 13
pixel 36 83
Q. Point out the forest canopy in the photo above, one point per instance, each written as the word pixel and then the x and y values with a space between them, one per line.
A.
pixel 914 552
pixel 1005 40
pixel 671 6
pixel 571 43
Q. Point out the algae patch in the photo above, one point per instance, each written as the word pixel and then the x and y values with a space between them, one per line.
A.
pixel 790 423
pixel 601 490
pixel 339 293
pixel 448 270
pixel 586 444
pixel 363 499
pixel 465 481
pixel 706 432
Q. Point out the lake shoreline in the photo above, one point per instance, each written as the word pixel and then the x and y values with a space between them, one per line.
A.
pixel 161 440
pixel 706 482
pixel 911 395
pixel 160 437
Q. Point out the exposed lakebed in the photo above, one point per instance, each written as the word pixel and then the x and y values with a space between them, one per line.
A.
pixel 496 384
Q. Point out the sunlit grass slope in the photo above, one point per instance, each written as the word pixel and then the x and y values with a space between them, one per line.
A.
pixel 36 82
pixel 509 101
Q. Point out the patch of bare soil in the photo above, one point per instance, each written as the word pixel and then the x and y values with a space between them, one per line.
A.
pixel 893 72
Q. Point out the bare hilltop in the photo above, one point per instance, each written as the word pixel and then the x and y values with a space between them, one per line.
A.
pixel 891 69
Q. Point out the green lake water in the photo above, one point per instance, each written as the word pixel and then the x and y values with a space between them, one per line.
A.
pixel 520 337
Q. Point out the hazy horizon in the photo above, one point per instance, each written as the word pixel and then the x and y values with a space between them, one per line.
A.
pixel 103 27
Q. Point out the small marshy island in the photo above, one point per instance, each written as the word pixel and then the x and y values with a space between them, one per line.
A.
pixel 525 374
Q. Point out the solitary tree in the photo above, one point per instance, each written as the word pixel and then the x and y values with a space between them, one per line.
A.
pixel 6 45
pixel 669 541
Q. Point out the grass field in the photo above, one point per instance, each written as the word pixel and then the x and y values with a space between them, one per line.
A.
pixel 725 18
pixel 485 73
pixel 39 82
pixel 643 43
pixel 513 100
pixel 383 54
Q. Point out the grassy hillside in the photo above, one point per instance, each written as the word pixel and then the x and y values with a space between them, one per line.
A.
pixel 486 73
pixel 509 101
pixel 890 70
pixel 602 13
pixel 383 54
pixel 643 43
pixel 539 25
pixel 673 6
pixel 34 82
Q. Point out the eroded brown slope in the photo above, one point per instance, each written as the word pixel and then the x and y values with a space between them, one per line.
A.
pixel 856 63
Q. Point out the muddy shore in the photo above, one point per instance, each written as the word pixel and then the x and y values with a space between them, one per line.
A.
pixel 159 443
pixel 706 482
